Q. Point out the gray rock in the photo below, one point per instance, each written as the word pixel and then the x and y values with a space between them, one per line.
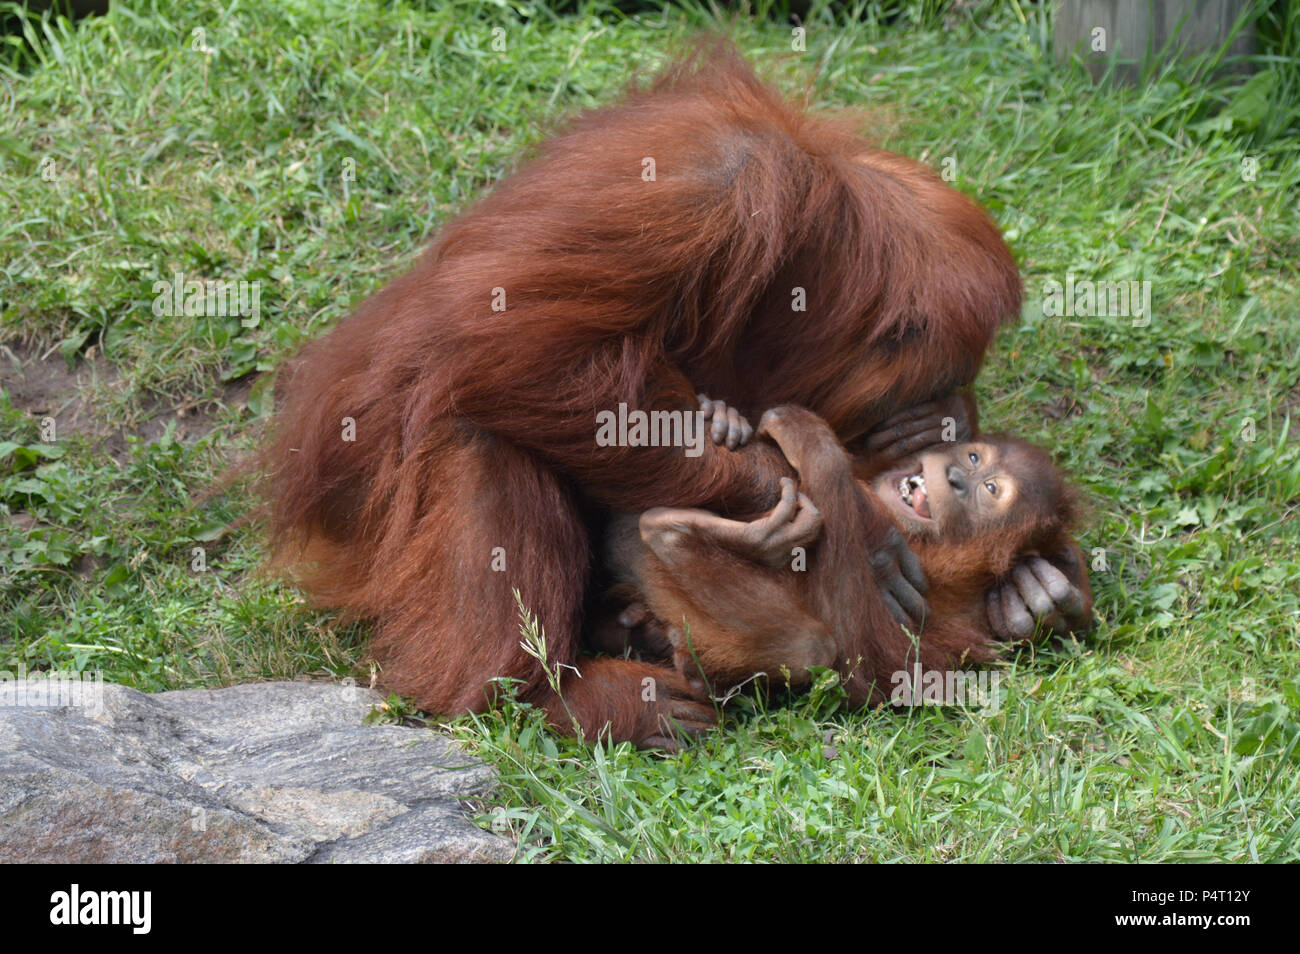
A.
pixel 265 772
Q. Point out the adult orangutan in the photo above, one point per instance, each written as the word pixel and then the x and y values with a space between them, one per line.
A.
pixel 436 450
pixel 731 604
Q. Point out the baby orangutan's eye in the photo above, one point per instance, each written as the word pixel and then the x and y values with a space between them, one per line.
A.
pixel 991 487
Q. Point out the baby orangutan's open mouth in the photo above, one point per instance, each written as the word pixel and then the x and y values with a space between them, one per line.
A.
pixel 912 489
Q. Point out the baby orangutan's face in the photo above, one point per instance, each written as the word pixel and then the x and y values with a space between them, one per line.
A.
pixel 956 491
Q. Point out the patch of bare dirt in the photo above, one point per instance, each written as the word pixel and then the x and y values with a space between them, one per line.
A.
pixel 41 383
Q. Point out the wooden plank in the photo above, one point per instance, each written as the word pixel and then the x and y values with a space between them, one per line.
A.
pixel 1138 30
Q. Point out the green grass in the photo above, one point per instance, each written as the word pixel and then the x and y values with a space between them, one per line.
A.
pixel 1171 734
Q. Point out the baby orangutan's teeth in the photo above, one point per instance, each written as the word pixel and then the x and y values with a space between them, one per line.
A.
pixel 909 484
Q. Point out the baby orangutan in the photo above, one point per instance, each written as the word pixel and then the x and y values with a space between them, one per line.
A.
pixel 737 598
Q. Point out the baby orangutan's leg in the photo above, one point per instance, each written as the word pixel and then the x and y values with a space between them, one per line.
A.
pixel 770 539
pixel 728 594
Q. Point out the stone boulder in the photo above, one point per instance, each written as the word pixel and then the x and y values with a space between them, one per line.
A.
pixel 264 772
